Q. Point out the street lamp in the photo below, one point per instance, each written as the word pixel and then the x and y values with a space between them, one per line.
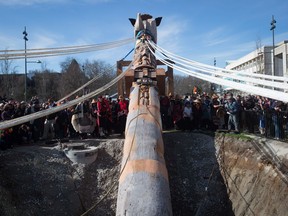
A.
pixel 38 61
pixel 273 26
pixel 25 40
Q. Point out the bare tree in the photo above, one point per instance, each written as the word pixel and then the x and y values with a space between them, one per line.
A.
pixel 184 85
pixel 105 71
pixel 9 83
pixel 72 77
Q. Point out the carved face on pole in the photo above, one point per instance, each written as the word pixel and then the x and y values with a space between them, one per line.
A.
pixel 145 26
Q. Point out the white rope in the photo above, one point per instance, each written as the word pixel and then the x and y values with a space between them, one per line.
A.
pixel 249 80
pixel 89 82
pixel 213 69
pixel 42 113
pixel 281 96
pixel 49 52
pixel 80 88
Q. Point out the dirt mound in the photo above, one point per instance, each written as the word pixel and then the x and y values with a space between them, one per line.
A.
pixel 41 180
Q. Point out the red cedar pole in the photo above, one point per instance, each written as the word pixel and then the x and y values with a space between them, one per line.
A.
pixel 143 184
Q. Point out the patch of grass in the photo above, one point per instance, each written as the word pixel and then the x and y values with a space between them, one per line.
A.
pixel 240 136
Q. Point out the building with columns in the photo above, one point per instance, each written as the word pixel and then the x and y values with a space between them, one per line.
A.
pixel 261 61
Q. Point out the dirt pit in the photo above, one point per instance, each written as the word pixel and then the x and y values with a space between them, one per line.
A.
pixel 41 180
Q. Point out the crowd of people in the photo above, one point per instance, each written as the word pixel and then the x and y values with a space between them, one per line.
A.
pixel 251 114
pixel 97 117
pixel 102 116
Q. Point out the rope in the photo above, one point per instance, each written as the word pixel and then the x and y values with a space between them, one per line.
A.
pixel 127 54
pixel 278 95
pixel 48 52
pixel 42 113
pixel 89 82
pixel 80 88
pixel 225 73
pixel 246 73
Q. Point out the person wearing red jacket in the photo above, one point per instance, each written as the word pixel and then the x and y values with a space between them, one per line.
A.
pixel 103 110
pixel 122 113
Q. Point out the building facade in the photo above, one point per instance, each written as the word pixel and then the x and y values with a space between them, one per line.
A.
pixel 261 61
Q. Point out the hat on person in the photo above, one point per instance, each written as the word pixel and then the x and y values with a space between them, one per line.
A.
pixel 197 101
pixel 94 101
pixel 215 96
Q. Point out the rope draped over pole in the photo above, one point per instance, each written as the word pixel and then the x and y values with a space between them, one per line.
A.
pixel 258 84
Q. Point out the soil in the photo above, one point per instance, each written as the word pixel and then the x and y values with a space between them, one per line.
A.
pixel 41 180
pixel 196 184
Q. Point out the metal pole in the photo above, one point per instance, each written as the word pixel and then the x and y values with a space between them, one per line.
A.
pixel 273 53
pixel 273 26
pixel 25 40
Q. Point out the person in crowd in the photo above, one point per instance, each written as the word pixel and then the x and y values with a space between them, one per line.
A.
pixel 277 120
pixel 49 132
pixel 170 123
pixel 8 112
pixel 240 111
pixel 187 116
pixel 82 120
pixel 250 116
pixel 114 106
pixel 7 134
pixel 164 110
pixel 261 110
pixel 20 109
pixel 177 112
pixel 1 109
pixel 109 115
pixel 232 111
pixel 122 113
pixel 61 123
pixel 103 110
pixel 217 113
pixel 71 131
pixel 197 113
pixel 94 112
pixel 206 113
pixel 37 125
pixel 21 133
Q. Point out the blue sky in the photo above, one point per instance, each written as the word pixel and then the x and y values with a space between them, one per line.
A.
pixel 198 30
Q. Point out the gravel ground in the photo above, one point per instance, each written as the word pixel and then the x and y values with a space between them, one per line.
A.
pixel 40 180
